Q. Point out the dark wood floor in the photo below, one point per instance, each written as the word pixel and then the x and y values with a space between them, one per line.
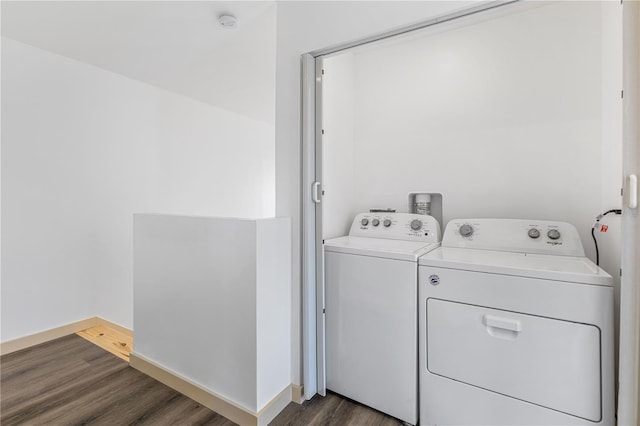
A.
pixel 332 410
pixel 71 381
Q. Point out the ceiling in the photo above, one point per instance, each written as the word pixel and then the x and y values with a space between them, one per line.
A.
pixel 175 45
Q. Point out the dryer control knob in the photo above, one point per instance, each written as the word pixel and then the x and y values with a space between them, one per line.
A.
pixel 416 224
pixel 364 222
pixel 554 234
pixel 375 222
pixel 466 230
pixel 387 223
pixel 534 233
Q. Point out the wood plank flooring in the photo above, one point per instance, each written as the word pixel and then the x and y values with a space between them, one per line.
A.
pixel 109 339
pixel 332 410
pixel 70 381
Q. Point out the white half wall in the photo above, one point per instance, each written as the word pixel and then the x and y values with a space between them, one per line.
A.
pixel 207 296
pixel 82 150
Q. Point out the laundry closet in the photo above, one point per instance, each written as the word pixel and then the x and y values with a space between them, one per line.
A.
pixel 505 113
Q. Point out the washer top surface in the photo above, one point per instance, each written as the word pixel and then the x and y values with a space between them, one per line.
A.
pixel 380 247
pixel 510 247
pixel 400 236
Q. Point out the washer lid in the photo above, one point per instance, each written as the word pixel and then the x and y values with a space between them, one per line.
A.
pixel 550 267
pixel 380 247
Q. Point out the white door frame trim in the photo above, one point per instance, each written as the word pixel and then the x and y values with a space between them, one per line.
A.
pixel 629 358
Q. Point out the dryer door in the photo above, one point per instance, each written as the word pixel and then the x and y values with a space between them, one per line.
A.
pixel 544 361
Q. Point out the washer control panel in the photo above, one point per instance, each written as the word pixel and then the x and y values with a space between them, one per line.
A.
pixel 396 226
pixel 514 235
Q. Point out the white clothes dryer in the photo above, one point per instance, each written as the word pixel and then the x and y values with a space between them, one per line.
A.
pixel 371 304
pixel 516 327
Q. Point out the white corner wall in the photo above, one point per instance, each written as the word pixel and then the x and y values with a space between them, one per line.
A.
pixel 82 150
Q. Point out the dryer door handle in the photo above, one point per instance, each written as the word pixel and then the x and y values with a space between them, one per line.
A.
pixel 503 323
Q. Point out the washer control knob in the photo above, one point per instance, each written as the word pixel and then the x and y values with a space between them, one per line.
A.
pixel 466 230
pixel 534 233
pixel 554 234
pixel 375 222
pixel 416 224
pixel 364 221
pixel 387 223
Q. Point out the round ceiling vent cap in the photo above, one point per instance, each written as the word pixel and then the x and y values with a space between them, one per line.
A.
pixel 228 21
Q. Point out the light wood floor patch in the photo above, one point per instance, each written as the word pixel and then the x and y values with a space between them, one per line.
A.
pixel 109 339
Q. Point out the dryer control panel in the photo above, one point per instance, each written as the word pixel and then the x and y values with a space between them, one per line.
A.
pixel 396 226
pixel 514 235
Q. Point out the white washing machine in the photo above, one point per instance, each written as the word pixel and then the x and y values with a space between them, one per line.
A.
pixel 516 327
pixel 371 303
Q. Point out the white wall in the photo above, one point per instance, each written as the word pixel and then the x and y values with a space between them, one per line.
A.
pixel 304 27
pixel 338 146
pixel 83 149
pixel 504 117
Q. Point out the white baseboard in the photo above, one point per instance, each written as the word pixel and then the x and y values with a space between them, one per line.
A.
pixel 57 332
pixel 47 335
pixel 297 393
pixel 217 403
pixel 274 407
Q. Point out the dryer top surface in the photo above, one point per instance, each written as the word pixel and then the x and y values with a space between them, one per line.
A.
pixel 520 247
pixel 577 269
